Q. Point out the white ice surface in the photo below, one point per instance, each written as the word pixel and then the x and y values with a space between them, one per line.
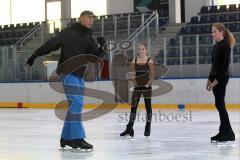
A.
pixel 27 134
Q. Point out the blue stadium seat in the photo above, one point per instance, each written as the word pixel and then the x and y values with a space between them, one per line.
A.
pixel 238 16
pixel 202 40
pixel 21 33
pixel 172 42
pixel 36 23
pixel 192 51
pixel 5 27
pixel 236 54
pixel 11 26
pixel 201 60
pixel 205 29
pixel 203 51
pixel 15 33
pixel 232 8
pixel 9 34
pixel 18 26
pixel 1 42
pixel 183 30
pixel 204 9
pixel 237 38
pixel 163 13
pixel 121 26
pixel 204 19
pixel 231 27
pixel 213 18
pixel 109 26
pixel 213 9
pixel 189 40
pixel 2 35
pixel 161 53
pixel 24 26
pixel 237 25
pixel 201 29
pixel 222 18
pixel 222 8
pixel 193 29
pixel 135 24
pixel 194 20
pixel 30 25
pixel 163 22
pixel 209 28
pixel 185 52
pixel 232 17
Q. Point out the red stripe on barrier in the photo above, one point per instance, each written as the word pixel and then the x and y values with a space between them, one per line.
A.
pixel 19 105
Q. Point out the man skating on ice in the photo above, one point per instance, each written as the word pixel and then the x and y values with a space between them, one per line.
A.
pixel 74 41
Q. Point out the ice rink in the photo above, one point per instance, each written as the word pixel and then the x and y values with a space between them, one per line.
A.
pixel 28 134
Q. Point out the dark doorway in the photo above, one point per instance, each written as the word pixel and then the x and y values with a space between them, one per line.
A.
pixel 182 11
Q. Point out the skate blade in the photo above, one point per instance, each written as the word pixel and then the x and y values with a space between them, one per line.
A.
pixel 65 149
pixel 76 150
pixel 227 143
pixel 214 141
pixel 127 137
pixel 222 142
pixel 82 150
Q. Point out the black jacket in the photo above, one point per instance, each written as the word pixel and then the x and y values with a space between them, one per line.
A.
pixel 220 60
pixel 77 47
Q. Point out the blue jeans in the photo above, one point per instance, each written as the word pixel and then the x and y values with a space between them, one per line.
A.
pixel 74 90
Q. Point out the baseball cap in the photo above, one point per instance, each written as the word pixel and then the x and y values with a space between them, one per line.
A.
pixel 88 13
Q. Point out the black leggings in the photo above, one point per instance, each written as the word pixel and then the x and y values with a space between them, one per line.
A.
pixel 219 92
pixel 137 93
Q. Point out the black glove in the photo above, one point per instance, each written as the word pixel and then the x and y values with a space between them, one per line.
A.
pixel 31 59
pixel 101 41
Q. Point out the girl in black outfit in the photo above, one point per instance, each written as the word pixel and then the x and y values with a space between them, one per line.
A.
pixel 218 78
pixel 143 75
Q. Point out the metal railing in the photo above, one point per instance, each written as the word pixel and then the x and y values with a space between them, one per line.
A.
pixel 190 55
pixel 184 55
pixel 145 25
pixel 21 72
pixel 28 35
pixel 131 39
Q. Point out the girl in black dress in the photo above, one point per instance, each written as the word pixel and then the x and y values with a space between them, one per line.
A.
pixel 218 78
pixel 143 75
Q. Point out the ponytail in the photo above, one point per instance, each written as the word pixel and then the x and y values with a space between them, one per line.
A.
pixel 230 38
pixel 227 34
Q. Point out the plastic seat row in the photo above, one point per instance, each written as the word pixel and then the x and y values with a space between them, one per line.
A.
pixel 221 8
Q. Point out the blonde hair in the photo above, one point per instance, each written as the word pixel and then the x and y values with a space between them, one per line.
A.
pixel 143 44
pixel 226 33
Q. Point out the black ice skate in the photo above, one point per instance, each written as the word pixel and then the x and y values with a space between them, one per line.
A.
pixel 64 143
pixel 128 131
pixel 82 144
pixel 229 136
pixel 215 138
pixel 147 130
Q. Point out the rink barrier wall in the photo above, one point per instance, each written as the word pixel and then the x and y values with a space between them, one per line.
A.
pixel 119 106
pixel 186 93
